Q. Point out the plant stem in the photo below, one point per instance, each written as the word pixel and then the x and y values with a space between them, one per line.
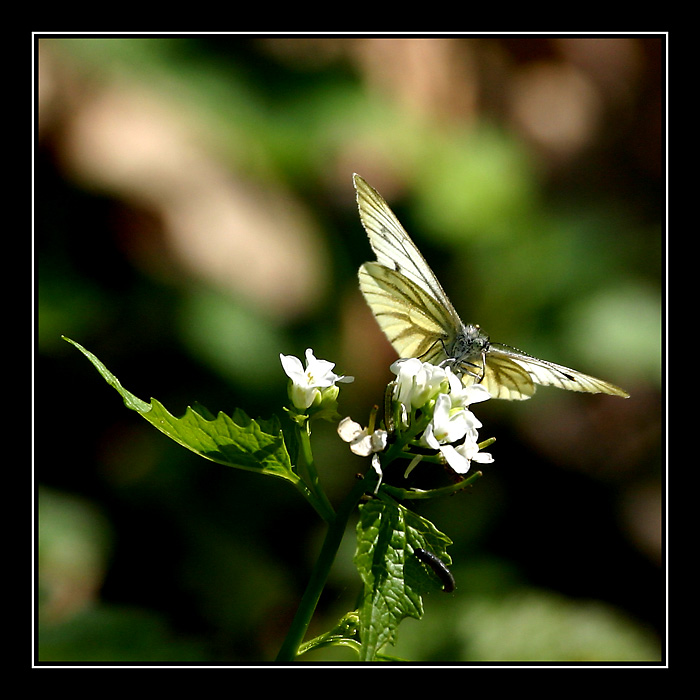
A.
pixel 314 588
pixel 408 494
pixel 307 466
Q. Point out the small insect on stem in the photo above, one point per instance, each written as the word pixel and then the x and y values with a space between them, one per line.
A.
pixel 438 567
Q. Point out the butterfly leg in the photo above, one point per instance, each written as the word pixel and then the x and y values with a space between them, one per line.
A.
pixel 483 367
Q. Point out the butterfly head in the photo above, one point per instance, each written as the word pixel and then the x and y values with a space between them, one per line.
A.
pixel 467 352
pixel 470 343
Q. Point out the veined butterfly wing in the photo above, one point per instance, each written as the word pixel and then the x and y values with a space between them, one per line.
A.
pixel 419 320
pixel 503 358
pixel 416 324
pixel 394 248
pixel 504 379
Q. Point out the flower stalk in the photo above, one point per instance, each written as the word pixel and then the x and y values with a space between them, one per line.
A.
pixel 295 636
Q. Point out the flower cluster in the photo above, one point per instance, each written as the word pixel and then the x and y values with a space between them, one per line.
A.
pixel 437 391
pixel 432 410
pixel 430 396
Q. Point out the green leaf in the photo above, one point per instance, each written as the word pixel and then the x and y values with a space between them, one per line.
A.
pixel 236 441
pixel 394 578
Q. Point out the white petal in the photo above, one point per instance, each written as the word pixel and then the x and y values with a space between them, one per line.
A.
pixel 428 438
pixel 458 463
pixel 348 429
pixel 303 396
pixel 477 393
pixel 377 466
pixel 292 366
pixel 379 439
pixel 362 445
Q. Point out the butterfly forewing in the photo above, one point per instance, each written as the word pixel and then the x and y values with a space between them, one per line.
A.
pixel 419 320
pixel 415 324
pixel 393 247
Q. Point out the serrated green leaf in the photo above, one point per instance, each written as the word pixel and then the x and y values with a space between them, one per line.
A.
pixel 394 579
pixel 236 441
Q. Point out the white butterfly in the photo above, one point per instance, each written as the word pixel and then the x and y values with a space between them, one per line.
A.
pixel 419 320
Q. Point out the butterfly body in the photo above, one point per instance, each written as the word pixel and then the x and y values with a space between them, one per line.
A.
pixel 470 344
pixel 419 320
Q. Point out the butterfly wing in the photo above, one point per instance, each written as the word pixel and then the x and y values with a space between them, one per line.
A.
pixel 394 248
pixel 512 374
pixel 503 378
pixel 415 324
pixel 404 294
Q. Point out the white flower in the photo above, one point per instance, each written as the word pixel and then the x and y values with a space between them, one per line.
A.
pixel 362 442
pixel 469 450
pixel 447 425
pixel 461 395
pixel 460 457
pixel 307 383
pixel 417 382
pixel 450 425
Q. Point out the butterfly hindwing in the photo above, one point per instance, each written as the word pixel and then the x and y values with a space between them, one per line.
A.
pixel 505 379
pixel 550 374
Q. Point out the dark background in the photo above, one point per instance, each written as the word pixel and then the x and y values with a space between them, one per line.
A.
pixel 195 217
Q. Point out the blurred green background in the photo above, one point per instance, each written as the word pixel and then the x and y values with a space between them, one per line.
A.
pixel 195 217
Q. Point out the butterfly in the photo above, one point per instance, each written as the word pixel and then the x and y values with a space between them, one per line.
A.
pixel 419 320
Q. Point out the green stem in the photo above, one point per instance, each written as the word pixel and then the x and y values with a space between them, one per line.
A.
pixel 408 494
pixel 312 498
pixel 314 588
pixel 395 449
pixel 307 466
